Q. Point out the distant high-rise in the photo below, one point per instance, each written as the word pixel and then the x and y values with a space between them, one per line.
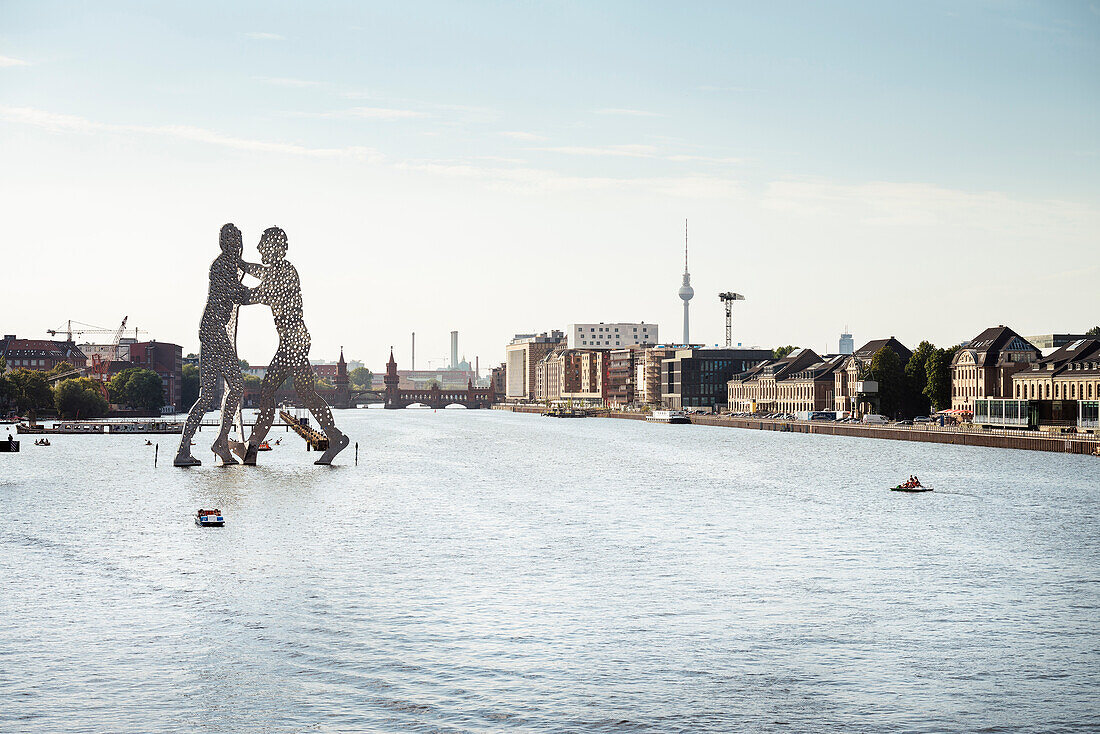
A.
pixel 454 350
pixel 846 346
pixel 686 292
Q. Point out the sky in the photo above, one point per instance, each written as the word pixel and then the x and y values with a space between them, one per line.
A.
pixel 921 170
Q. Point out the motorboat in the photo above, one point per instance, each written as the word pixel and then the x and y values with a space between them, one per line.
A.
pixel 209 518
pixel 668 416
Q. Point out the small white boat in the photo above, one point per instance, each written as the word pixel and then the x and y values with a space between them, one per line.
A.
pixel 209 518
pixel 668 416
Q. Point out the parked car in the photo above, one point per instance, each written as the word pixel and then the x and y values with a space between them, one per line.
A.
pixel 905 422
pixel 875 419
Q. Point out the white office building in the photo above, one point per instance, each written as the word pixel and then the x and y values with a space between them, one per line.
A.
pixel 609 336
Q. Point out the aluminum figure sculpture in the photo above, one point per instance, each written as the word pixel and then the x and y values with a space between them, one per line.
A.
pixel 217 353
pixel 279 289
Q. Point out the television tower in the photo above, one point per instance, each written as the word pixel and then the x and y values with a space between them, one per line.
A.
pixel 686 292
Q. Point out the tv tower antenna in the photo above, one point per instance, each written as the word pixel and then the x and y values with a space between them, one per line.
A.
pixel 728 298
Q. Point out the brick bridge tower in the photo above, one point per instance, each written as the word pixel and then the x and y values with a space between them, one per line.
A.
pixel 342 398
pixel 391 381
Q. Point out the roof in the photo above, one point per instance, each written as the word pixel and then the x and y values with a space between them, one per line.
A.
pixel 1079 357
pixel 867 351
pixel 993 346
pixel 781 369
pixel 41 348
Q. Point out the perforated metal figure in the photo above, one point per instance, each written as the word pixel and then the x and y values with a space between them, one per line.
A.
pixel 217 354
pixel 280 289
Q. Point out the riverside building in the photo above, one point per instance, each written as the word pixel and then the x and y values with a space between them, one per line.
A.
pixel 1063 387
pixel 610 336
pixel 984 366
pixel 801 381
pixel 854 394
pixel 523 355
pixel 698 378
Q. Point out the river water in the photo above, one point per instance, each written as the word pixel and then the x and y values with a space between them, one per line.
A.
pixel 486 571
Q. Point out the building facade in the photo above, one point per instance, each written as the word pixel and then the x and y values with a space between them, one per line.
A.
pixel 699 378
pixel 984 366
pixel 853 391
pixel 39 354
pixel 523 355
pixel 609 336
pixel 800 381
pixel 167 361
pixel 1061 381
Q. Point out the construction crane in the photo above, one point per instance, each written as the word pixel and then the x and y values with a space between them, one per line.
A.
pixel 98 368
pixel 728 298
pixel 82 328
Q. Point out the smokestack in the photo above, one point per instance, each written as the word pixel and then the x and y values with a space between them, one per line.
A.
pixel 454 350
pixel 414 351
pixel 477 367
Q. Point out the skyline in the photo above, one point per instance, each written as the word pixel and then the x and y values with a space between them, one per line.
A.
pixel 500 170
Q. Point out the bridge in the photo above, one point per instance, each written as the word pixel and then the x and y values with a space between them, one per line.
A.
pixel 434 397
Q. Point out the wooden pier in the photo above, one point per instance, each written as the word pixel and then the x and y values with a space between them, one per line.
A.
pixel 314 439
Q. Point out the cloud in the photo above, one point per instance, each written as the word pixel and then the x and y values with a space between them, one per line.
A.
pixel 261 36
pixel 367 113
pixel 628 112
pixel 629 151
pixel 520 135
pixel 6 61
pixel 55 122
pixel 288 82
pixel 713 88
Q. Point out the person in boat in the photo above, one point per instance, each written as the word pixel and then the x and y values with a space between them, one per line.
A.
pixel 148 442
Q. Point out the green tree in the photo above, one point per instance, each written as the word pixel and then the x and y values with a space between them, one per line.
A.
pixel 251 382
pixel 137 387
pixel 886 369
pixel 79 398
pixel 937 370
pixel 1094 331
pixel 915 402
pixel 60 368
pixel 5 386
pixel 189 386
pixel 360 378
pixel 244 364
pixel 781 352
pixel 30 391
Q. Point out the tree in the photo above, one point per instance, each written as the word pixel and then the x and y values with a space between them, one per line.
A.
pixel 916 378
pixel 60 368
pixel 886 369
pixel 781 352
pixel 189 386
pixel 243 363
pixel 138 388
pixel 937 370
pixel 1094 331
pixel 431 384
pixel 5 385
pixel 360 378
pixel 251 382
pixel 30 391
pixel 79 398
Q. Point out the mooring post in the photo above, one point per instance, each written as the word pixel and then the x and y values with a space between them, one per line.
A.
pixel 156 453
pixel 357 453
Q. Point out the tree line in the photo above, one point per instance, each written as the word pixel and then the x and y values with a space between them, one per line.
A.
pixel 29 392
